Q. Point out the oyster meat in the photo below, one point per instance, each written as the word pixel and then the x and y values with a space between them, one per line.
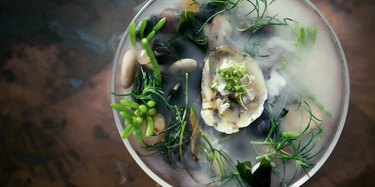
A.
pixel 233 90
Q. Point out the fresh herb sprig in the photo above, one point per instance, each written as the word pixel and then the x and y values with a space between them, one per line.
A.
pixel 258 16
pixel 183 120
pixel 232 76
pixel 200 143
pixel 133 112
pixel 257 13
pixel 266 21
pixel 220 159
pixel 290 146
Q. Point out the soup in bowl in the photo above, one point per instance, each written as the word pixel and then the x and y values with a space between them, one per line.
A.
pixel 226 92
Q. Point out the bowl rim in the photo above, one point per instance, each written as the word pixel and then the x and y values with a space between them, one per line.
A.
pixel 343 111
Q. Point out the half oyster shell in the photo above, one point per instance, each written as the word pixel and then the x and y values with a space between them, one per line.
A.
pixel 227 116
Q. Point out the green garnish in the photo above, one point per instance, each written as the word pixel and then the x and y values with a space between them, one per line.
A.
pixel 138 120
pixel 118 107
pixel 151 103
pixel 257 14
pixel 153 60
pixel 129 103
pixel 160 24
pixel 151 36
pixel 290 135
pixel 126 115
pixel 300 151
pixel 232 76
pixel 132 34
pixel 227 168
pixel 146 42
pixel 177 133
pixel 151 112
pixel 128 131
pixel 306 37
pixel 150 126
pixel 148 91
pixel 283 63
pixel 142 27
pixel 266 21
pixel 143 108
pixel 134 115
pixel 259 17
pixel 183 124
pixel 301 39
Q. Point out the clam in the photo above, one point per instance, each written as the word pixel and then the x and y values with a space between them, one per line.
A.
pixel 218 109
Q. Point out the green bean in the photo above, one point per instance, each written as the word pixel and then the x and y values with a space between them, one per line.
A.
pixel 127 132
pixel 150 127
pixel 160 24
pixel 151 36
pixel 126 115
pixel 118 107
pixel 153 60
pixel 138 133
pixel 142 27
pixel 156 28
pixel 132 33
pixel 129 103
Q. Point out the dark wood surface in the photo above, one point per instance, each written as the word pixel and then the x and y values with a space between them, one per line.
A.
pixel 56 126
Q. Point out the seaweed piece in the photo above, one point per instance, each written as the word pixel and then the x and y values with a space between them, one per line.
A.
pixel 189 27
pixel 261 176
pixel 244 169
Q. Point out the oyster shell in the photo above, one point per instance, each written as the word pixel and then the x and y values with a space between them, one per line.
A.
pixel 222 116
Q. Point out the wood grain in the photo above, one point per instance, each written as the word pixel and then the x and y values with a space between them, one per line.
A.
pixel 56 127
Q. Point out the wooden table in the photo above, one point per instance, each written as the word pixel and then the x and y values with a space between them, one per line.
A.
pixel 56 126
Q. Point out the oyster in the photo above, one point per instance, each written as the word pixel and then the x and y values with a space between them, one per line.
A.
pixel 233 90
